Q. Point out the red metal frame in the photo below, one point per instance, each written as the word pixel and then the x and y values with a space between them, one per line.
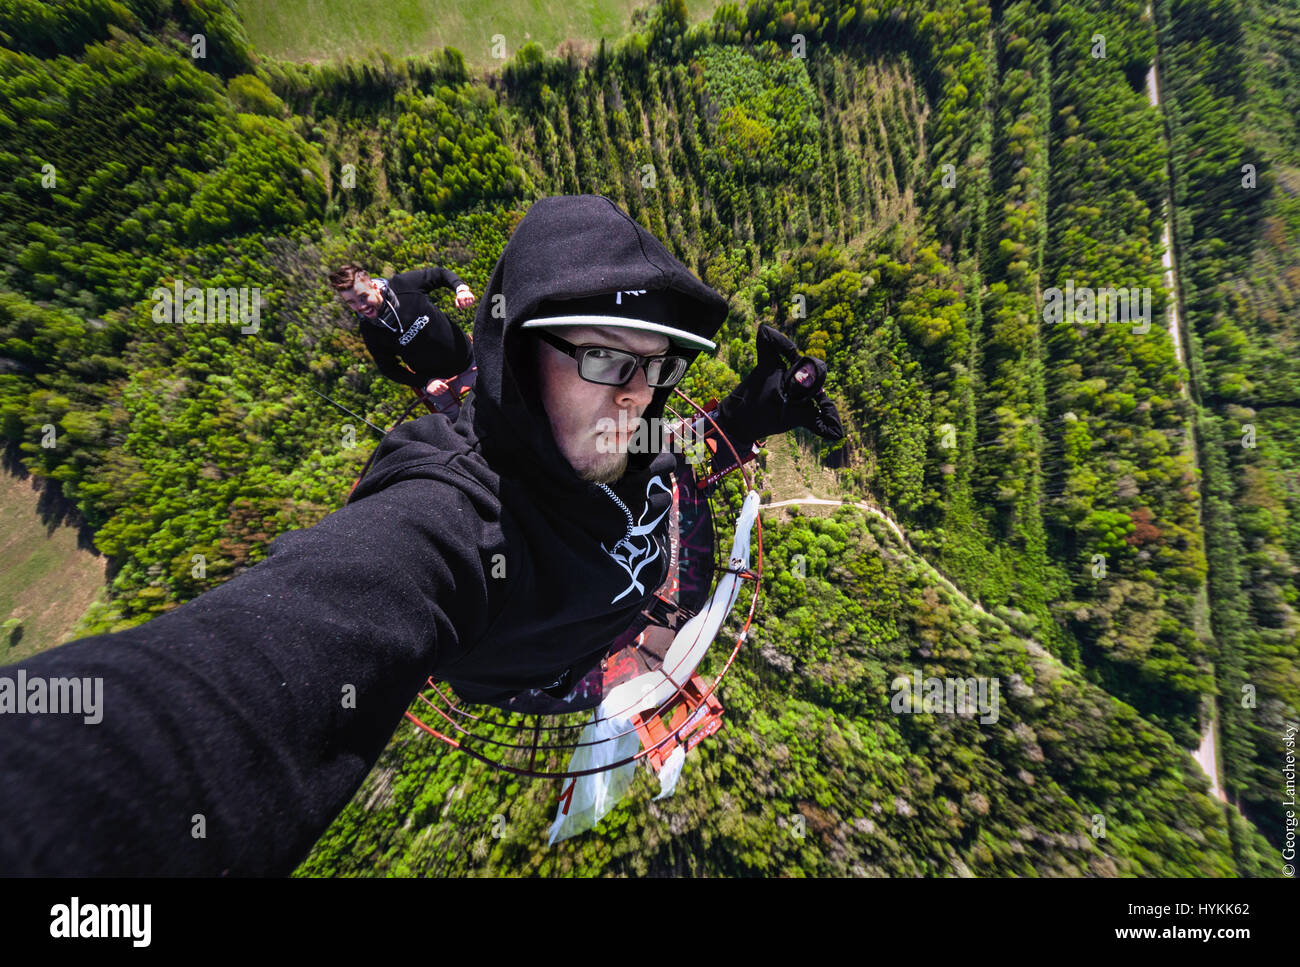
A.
pixel 691 718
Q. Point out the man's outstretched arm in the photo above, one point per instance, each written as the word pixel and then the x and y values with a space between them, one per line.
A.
pixel 234 728
pixel 783 391
pixel 429 278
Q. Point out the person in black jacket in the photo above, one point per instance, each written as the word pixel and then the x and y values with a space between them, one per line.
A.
pixel 410 339
pixel 499 553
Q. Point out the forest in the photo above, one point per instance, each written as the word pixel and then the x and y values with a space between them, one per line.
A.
pixel 894 186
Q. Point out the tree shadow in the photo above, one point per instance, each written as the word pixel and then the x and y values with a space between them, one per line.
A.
pixel 54 509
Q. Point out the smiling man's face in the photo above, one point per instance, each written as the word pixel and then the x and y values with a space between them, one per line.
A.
pixel 364 297
pixel 576 407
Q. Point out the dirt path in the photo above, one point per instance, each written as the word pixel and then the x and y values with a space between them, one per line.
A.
pixel 1206 754
pixel 1167 259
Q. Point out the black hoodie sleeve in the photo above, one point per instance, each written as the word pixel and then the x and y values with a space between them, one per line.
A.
pixel 428 279
pixel 251 714
pixel 386 360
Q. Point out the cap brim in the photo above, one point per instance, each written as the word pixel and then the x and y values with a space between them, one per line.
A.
pixel 679 336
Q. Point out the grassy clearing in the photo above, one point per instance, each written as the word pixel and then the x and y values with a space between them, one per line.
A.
pixel 46 579
pixel 317 30
pixel 792 472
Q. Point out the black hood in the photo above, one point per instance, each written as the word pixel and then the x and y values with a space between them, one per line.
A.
pixel 567 247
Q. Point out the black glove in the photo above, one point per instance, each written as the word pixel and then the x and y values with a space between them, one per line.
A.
pixel 783 391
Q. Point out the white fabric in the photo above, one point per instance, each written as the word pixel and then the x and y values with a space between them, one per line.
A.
pixel 595 795
pixel 670 772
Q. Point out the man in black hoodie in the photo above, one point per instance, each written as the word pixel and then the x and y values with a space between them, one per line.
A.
pixel 489 553
pixel 410 339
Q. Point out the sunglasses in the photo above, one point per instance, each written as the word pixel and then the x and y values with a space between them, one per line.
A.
pixel 614 367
